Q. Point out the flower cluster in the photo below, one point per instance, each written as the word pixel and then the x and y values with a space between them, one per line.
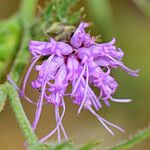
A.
pixel 82 63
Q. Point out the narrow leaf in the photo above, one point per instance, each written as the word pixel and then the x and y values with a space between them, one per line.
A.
pixel 65 146
pixel 41 146
pixel 142 135
pixel 52 146
pixel 90 146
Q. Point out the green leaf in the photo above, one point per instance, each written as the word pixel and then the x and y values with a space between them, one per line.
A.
pixel 10 37
pixel 52 146
pixel 89 146
pixel 62 11
pixel 56 12
pixel 53 14
pixel 142 135
pixel 65 146
pixel 41 146
pixel 3 95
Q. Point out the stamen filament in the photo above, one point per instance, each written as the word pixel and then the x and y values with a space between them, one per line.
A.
pixel 79 79
pixel 58 124
pixel 120 100
pixel 28 73
pixel 102 120
pixel 85 90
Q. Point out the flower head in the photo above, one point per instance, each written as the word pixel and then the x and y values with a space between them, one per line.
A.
pixel 82 63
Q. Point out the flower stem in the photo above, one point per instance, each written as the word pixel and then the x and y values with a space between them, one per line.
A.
pixel 24 123
pixel 26 14
pixel 142 135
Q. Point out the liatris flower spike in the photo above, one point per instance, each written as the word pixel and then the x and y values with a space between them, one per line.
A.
pixel 82 63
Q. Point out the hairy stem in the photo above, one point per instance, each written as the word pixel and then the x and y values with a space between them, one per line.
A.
pixel 22 119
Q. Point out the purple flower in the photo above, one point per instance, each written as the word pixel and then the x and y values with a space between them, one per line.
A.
pixel 49 48
pixel 55 64
pixel 82 63
pixel 81 37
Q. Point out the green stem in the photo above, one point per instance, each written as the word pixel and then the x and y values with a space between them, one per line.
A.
pixel 27 13
pixel 142 135
pixel 24 123
pixel 22 57
pixel 27 10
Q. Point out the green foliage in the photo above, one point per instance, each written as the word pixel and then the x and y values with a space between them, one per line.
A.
pixel 60 11
pixel 10 33
pixel 20 61
pixel 56 20
pixel 90 146
pixel 27 11
pixel 142 135
pixel 21 116
pixel 42 146
pixel 52 146
pixel 3 95
pixel 22 58
pixel 62 146
pixel 10 37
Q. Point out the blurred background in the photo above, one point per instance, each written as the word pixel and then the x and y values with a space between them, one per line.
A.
pixel 131 27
